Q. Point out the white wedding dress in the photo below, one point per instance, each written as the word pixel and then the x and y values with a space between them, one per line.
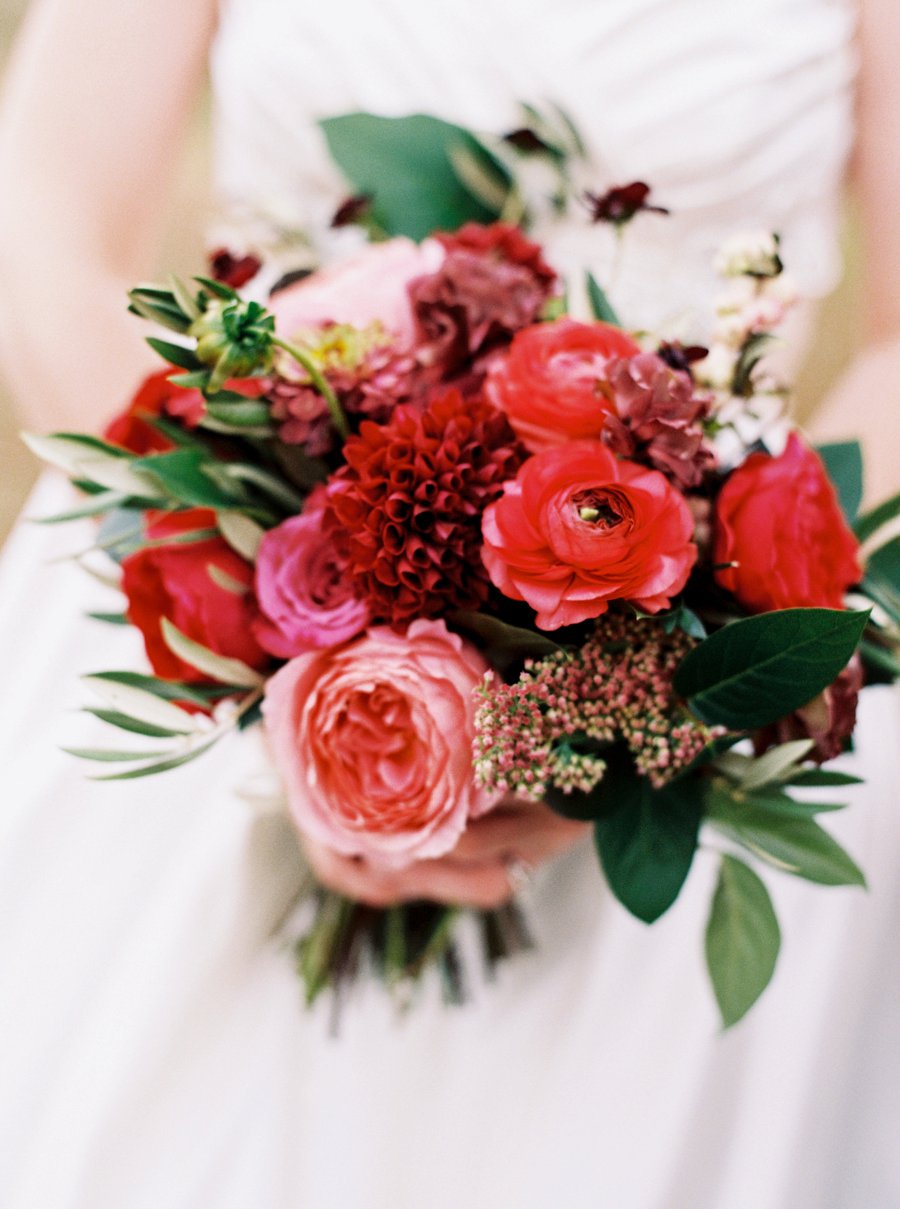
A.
pixel 154 1050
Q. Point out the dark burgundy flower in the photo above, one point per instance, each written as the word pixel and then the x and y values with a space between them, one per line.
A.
pixel 620 204
pixel 407 506
pixel 493 282
pixel 680 356
pixel 353 210
pixel 657 418
pixel 233 270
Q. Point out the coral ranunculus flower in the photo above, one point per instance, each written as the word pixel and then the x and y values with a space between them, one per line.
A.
pixel 579 528
pixel 551 383
pixel 374 742
pixel 780 529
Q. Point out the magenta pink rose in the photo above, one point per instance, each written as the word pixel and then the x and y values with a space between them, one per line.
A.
pixel 374 742
pixel 367 288
pixel 305 595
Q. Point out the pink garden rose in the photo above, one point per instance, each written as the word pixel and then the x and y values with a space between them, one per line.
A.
pixel 578 528
pixel 374 742
pixel 366 288
pixel 305 595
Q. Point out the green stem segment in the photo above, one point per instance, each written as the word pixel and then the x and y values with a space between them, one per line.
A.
pixel 319 382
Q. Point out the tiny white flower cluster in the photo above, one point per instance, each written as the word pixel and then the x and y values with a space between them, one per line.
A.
pixel 750 404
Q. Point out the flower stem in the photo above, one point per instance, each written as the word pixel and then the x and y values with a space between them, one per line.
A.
pixel 319 381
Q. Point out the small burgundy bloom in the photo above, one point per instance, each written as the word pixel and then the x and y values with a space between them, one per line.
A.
pixel 233 270
pixel 679 356
pixel 492 283
pixel 620 204
pixel 352 211
pixel 657 418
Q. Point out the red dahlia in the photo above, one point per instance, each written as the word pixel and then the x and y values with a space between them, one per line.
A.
pixel 408 505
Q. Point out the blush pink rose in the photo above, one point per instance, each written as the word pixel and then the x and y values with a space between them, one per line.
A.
pixel 305 596
pixel 552 382
pixel 579 527
pixel 374 742
pixel 367 288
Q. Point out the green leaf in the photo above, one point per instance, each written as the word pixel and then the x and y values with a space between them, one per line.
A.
pixel 140 705
pixel 870 522
pixel 103 501
pixel 647 841
pixel 752 352
pixel 752 773
pixel 182 474
pixel 166 690
pixel 514 642
pixel 880 659
pixel 882 578
pixel 175 354
pixel 844 464
pixel 110 618
pixel 601 308
pixel 778 835
pixel 107 755
pixel 247 413
pixel 242 534
pixel 218 667
pixel 220 289
pixel 742 940
pixel 759 669
pixel 820 777
pixel 87 458
pixel 406 165
pixel 149 770
pixel 771 800
pixel 132 725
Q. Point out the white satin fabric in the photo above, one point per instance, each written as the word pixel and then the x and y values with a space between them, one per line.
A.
pixel 154 1050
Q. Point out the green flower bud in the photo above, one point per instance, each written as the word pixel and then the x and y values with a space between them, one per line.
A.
pixel 234 338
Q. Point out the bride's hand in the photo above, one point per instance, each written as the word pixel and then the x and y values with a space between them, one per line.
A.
pixel 482 870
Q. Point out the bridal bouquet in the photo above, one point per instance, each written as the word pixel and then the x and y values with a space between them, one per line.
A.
pixel 449 544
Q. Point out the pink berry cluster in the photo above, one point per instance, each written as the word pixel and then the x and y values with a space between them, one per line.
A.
pixel 618 686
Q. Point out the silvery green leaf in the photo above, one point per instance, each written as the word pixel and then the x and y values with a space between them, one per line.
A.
pixel 774 765
pixel 491 189
pixel 241 533
pixel 81 461
pixel 149 770
pixel 108 755
pixel 219 667
pixel 225 581
pixel 142 706
pixel 104 501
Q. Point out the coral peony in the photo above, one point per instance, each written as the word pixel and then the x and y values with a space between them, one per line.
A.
pixel 578 528
pixel 552 383
pixel 374 742
pixel 781 540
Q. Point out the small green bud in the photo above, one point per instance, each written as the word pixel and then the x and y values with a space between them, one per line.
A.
pixel 234 338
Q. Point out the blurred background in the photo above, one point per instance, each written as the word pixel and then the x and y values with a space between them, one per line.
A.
pixel 837 332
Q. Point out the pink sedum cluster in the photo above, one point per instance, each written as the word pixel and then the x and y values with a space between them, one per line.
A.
pixel 618 686
pixel 374 742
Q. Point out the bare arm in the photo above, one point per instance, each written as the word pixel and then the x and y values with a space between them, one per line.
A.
pixel 96 101
pixel 866 401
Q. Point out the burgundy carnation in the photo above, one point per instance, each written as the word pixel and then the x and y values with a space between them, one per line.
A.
pixel 408 504
pixel 657 418
pixel 492 282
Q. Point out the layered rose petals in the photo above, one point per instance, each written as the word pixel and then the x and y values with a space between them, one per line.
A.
pixel 374 742
pixel 552 384
pixel 305 593
pixel 781 540
pixel 579 528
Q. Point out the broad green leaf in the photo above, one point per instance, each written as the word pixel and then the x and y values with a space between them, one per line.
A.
pixel 218 667
pixel 870 522
pixel 742 940
pixel 882 578
pixel 844 464
pixel 406 165
pixel 141 706
pixel 182 475
pixel 647 841
pixel 795 844
pixel 757 670
pixel 247 413
pixel 242 534
pixel 516 642
pixel 601 308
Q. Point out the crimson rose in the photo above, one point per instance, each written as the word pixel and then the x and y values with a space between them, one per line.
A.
pixel 781 531
pixel 202 587
pixel 579 527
